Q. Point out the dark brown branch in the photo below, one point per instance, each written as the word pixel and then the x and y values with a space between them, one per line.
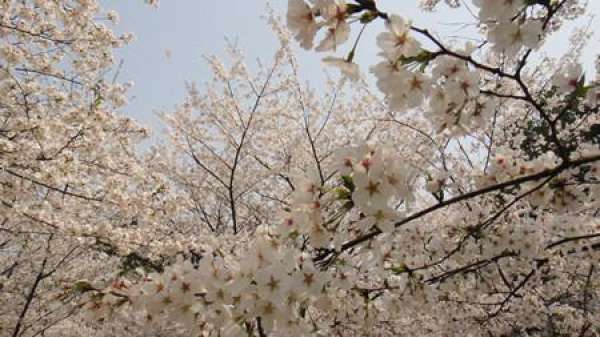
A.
pixel 541 175
pixel 572 239
pixel 59 190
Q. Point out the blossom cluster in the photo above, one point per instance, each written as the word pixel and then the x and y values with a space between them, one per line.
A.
pixel 508 29
pixel 374 185
pixel 303 21
pixel 267 284
pixel 380 183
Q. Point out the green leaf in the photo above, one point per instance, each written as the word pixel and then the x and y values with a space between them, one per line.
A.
pixel 353 8
pixel 401 269
pixel 98 101
pixel 82 286
pixel 348 183
pixel 581 89
pixel 343 194
pixel 367 17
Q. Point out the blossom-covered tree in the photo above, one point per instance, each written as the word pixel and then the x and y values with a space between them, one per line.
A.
pixel 459 198
pixel 75 198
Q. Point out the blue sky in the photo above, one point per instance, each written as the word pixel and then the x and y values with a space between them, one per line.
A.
pixel 192 28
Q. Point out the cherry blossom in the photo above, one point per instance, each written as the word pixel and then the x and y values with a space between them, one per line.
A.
pixel 511 37
pixel 568 79
pixel 348 68
pixel 301 21
pixel 398 41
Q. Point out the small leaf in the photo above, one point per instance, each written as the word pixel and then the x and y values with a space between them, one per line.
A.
pixel 348 183
pixel 343 194
pixel 82 286
pixel 401 269
pixel 367 17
